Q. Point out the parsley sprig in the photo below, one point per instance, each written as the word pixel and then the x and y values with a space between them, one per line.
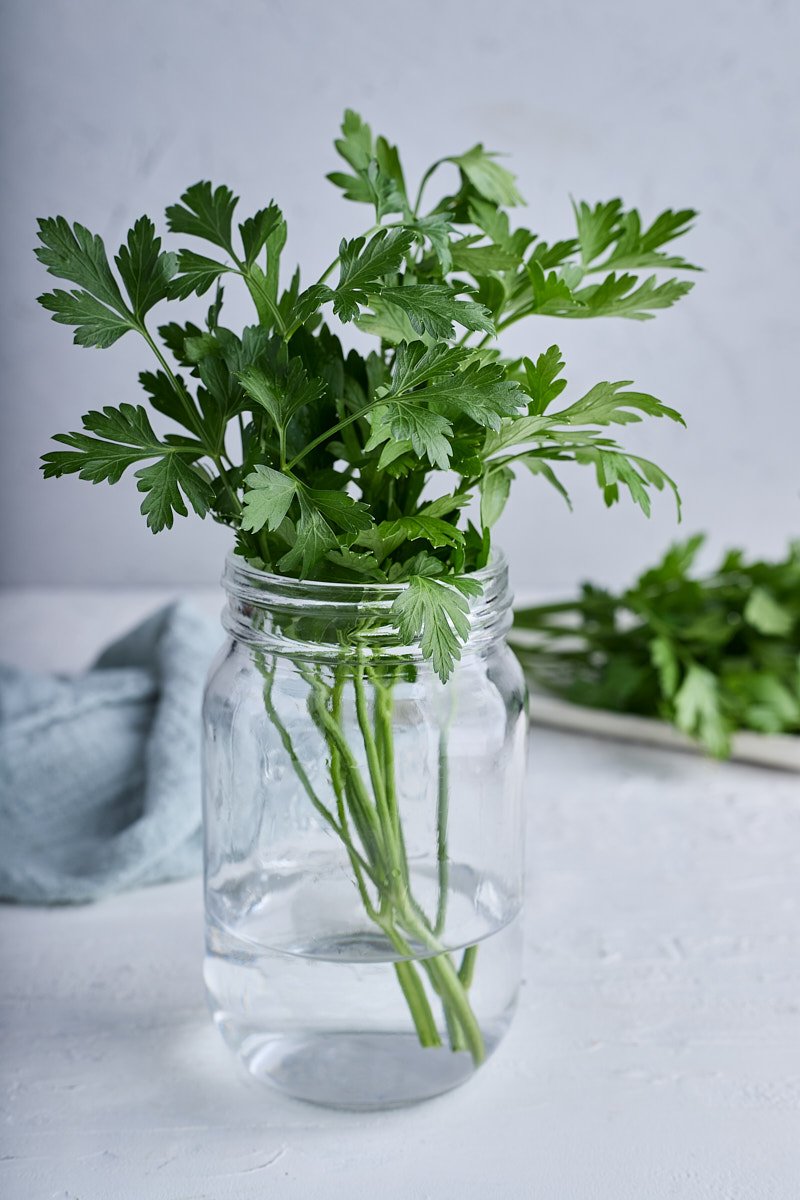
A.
pixel 321 459
pixel 712 653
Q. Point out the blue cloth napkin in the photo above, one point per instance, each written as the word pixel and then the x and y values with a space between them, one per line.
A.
pixel 100 772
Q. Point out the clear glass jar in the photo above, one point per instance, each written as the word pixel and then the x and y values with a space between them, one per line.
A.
pixel 363 841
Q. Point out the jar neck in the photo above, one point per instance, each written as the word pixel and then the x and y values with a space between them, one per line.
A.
pixel 306 618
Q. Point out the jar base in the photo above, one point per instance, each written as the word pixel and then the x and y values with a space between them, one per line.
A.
pixel 350 1070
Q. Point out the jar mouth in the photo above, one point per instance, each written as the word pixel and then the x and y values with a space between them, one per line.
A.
pixel 240 577
pixel 310 615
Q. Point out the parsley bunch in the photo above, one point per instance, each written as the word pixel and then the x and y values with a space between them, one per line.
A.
pixel 334 465
pixel 713 653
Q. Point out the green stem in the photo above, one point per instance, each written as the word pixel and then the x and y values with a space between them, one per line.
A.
pixel 420 1009
pixel 446 981
pixel 466 972
pixel 361 808
pixel 413 990
pixel 223 474
pixel 397 914
pixel 339 791
pixel 299 769
pixel 378 778
pixel 193 418
pixel 328 433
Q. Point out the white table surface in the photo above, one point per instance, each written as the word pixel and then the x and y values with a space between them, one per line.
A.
pixel 656 1052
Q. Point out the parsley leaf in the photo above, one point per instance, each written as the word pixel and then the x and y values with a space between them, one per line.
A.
pixel 256 231
pixel 432 529
pixel 542 380
pixel 487 177
pixel 713 653
pixel 282 391
pixel 268 498
pixel 279 427
pixel 145 269
pixel 73 253
pixel 95 324
pixel 196 274
pixel 432 309
pixel 205 212
pixel 124 437
pixel 435 613
pixel 365 263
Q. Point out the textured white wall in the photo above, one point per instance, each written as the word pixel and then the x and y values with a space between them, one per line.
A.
pixel 110 110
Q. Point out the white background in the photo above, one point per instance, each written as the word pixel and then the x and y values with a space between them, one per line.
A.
pixel 110 110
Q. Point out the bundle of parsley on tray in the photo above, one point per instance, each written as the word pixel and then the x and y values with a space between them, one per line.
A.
pixel 329 464
pixel 712 653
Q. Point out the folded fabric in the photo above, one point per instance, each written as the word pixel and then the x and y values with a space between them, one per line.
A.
pixel 100 772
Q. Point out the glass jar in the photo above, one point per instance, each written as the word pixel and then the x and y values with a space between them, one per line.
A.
pixel 363 841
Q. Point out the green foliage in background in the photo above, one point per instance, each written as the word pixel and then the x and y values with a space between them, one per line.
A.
pixel 711 653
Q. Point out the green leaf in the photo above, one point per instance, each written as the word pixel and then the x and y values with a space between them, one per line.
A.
pixel 481 260
pixel 665 660
pixel 366 263
pixel 378 177
pixel 144 268
pixel 487 177
pixel 387 322
pixel 73 253
pixel 516 432
pixel 552 294
pixel 355 144
pixel 268 498
pixel 308 303
pixel 282 391
pixel 597 227
pixel 314 538
pixel 495 488
pixel 97 310
pixel 416 363
pixel 437 229
pixel 257 229
pixel 340 510
pixel 542 378
pixel 607 404
pixel 481 393
pixel 432 308
pixel 443 506
pixel 163 396
pixel 436 615
pixel 698 712
pixel 437 532
pixel 618 296
pixel 205 212
pixel 124 437
pixel 554 255
pixel 636 248
pixel 175 336
pixel 765 614
pixel 95 324
pixel 164 483
pixel 492 221
pixel 196 274
pixel 613 467
pixel 538 466
pixel 428 432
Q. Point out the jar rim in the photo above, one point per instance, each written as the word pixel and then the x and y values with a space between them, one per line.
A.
pixel 265 608
pixel 241 579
